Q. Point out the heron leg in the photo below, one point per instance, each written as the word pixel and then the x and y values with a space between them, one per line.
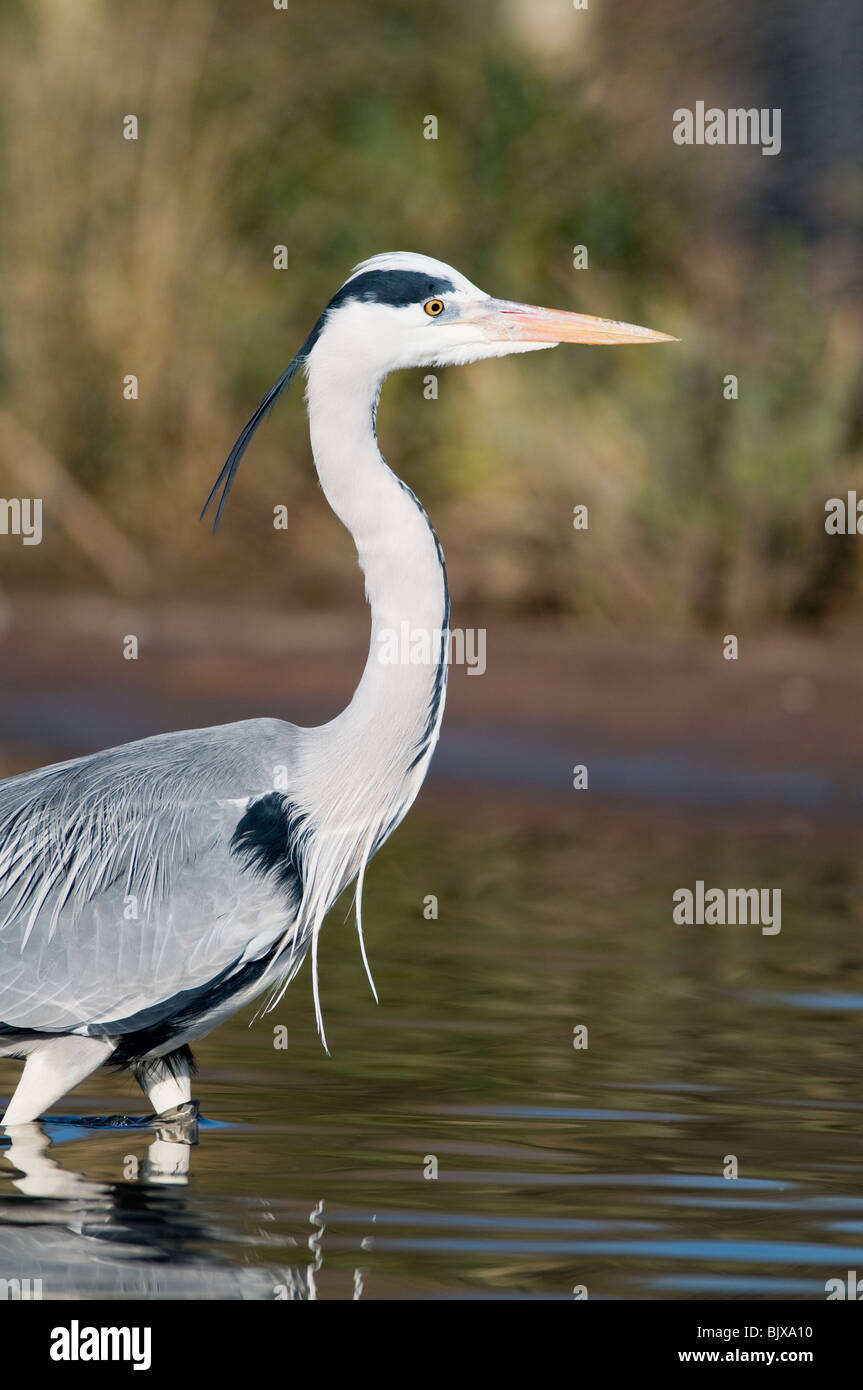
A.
pixel 166 1081
pixel 53 1067
pixel 167 1161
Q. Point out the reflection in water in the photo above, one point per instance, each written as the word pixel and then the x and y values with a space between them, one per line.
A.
pixel 456 1144
pixel 130 1239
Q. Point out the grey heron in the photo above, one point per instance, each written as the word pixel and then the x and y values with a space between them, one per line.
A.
pixel 149 891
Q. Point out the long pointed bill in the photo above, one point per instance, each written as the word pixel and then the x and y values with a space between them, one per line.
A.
pixel 526 323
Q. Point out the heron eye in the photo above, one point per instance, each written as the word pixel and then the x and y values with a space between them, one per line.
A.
pixel 434 307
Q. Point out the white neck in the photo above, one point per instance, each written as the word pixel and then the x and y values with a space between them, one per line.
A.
pixel 354 779
pixel 370 761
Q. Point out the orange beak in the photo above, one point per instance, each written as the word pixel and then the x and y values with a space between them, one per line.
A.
pixel 527 323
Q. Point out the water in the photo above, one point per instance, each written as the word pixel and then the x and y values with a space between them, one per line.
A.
pixel 555 1167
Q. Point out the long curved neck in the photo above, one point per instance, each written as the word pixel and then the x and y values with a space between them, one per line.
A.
pixel 387 733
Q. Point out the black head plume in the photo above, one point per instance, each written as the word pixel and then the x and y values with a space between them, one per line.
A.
pixel 226 477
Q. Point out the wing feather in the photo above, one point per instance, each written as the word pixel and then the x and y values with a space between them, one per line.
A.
pixel 118 888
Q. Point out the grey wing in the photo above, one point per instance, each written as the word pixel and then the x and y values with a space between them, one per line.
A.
pixel 119 885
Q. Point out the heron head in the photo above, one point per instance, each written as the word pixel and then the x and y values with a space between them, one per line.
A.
pixel 406 310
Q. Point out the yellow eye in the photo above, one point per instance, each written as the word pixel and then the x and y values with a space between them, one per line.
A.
pixel 434 307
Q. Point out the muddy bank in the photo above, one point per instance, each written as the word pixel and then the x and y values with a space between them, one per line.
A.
pixel 658 720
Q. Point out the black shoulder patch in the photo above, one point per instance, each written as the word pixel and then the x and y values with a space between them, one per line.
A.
pixel 395 287
pixel 268 839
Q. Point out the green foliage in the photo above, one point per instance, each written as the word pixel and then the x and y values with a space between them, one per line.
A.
pixel 259 127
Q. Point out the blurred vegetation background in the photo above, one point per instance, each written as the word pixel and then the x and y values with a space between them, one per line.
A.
pixel 261 127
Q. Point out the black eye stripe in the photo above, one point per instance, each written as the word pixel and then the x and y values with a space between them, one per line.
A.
pixel 395 287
